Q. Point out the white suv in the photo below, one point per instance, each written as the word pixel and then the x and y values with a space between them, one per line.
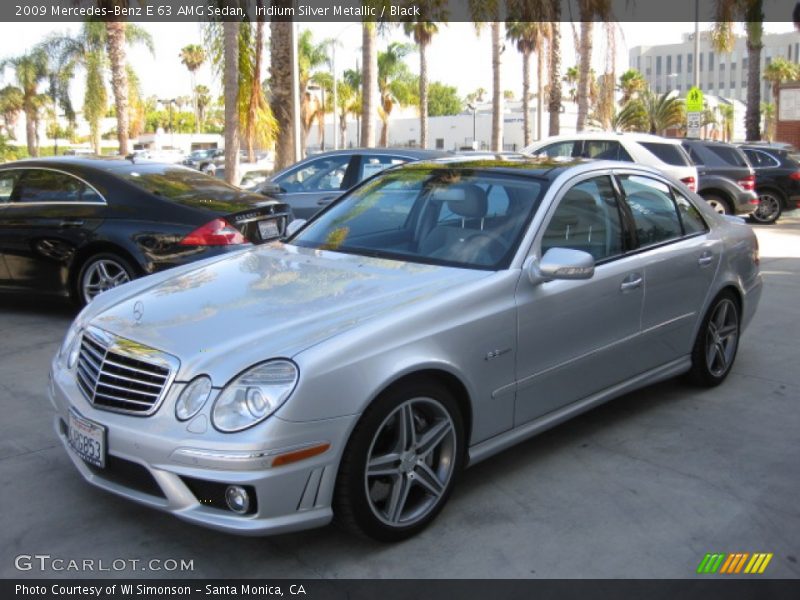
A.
pixel 664 154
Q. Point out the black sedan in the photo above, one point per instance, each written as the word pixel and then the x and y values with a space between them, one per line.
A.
pixel 777 180
pixel 80 226
pixel 313 183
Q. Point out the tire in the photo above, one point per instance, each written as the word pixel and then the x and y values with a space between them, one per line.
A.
pixel 101 272
pixel 719 204
pixel 717 342
pixel 411 475
pixel 770 206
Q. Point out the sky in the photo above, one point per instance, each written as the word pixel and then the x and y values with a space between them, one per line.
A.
pixel 457 55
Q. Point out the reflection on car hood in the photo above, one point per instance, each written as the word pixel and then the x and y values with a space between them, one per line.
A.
pixel 273 301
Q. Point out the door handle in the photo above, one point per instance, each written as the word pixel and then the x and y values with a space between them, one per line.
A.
pixel 71 223
pixel 631 282
pixel 705 259
pixel 325 201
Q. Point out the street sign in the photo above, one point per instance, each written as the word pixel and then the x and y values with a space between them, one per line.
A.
pixel 693 124
pixel 694 100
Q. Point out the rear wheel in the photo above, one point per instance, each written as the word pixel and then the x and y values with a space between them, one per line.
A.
pixel 769 208
pixel 719 204
pixel 717 342
pixel 400 464
pixel 100 273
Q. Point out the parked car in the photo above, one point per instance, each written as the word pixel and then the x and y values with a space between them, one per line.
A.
pixel 80 226
pixel 664 154
pixel 205 160
pixel 727 180
pixel 251 175
pixel 431 317
pixel 777 180
pixel 315 182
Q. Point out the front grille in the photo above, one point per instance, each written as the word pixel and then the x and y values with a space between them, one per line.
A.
pixel 115 374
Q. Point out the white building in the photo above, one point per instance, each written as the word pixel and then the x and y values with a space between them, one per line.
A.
pixel 671 67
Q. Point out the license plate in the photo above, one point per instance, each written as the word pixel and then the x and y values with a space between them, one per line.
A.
pixel 87 439
pixel 268 229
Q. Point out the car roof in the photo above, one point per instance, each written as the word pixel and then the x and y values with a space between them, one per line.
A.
pixel 410 152
pixel 99 163
pixel 604 135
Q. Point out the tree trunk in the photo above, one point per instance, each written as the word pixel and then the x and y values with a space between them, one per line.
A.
pixel 539 92
pixel 554 105
pixel 230 80
pixel 255 91
pixel 423 94
pixel 583 73
pixel 119 79
pixel 343 130
pixel 526 94
pixel 369 84
pixel 281 88
pixel 497 88
pixel 384 142
pixel 752 119
pixel 30 130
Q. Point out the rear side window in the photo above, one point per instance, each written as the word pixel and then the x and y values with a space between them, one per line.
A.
pixel 672 154
pixel 729 156
pixel 40 185
pixel 559 150
pixel 761 159
pixel 690 217
pixel 370 165
pixel 654 213
pixel 7 181
pixel 605 150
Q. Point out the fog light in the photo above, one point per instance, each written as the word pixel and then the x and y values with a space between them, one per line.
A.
pixel 237 499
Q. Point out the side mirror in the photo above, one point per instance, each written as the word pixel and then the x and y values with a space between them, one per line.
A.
pixel 269 187
pixel 294 226
pixel 560 263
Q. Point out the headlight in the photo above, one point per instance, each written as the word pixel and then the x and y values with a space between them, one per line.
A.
pixel 192 398
pixel 71 346
pixel 74 352
pixel 254 395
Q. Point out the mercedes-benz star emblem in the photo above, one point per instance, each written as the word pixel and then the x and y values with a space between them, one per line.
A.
pixel 138 311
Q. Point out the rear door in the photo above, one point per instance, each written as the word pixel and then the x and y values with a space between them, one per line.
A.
pixel 7 180
pixel 50 214
pixel 310 186
pixel 681 259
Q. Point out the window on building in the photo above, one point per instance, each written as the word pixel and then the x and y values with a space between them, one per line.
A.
pixel 744 64
pixel 689 62
pixel 658 65
pixel 440 143
pixel 721 67
pixel 648 65
pixel 796 52
pixel 658 89
pixel 639 63
pixel 710 86
pixel 701 62
pixel 669 65
pixel 680 88
pixel 679 65
pixel 710 61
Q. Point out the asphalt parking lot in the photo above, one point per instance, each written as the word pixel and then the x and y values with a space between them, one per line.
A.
pixel 642 487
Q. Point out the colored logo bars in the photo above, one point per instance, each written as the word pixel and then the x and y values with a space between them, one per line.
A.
pixel 734 563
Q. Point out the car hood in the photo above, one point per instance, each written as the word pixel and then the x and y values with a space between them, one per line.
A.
pixel 275 300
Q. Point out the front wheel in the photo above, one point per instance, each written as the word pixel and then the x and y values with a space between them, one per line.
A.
pixel 769 208
pixel 717 342
pixel 400 464
pixel 100 273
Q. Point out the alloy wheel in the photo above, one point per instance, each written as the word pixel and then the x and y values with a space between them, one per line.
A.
pixel 769 208
pixel 410 461
pixel 102 275
pixel 718 206
pixel 722 336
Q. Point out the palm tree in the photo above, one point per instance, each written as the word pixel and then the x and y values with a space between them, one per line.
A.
pixel 589 10
pixel 256 119
pixel 230 80
pixel 530 36
pixel 482 11
pixel 282 87
pixel 394 83
pixel 662 111
pixel 30 70
pixel 192 57
pixel 369 83
pixel 631 117
pixel 422 31
pixel 631 84
pixel 751 12
pixel 571 79
pixel 310 56
pixel 203 96
pixel 778 71
pixel 554 101
pixel 768 112
pixel 95 99
pixel 727 113
pixel 11 103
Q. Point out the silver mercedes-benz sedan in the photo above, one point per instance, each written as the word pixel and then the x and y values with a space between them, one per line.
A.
pixel 435 315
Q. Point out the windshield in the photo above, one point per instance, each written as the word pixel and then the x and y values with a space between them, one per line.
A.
pixel 438 215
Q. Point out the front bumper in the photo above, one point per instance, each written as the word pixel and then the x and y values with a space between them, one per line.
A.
pixel 157 461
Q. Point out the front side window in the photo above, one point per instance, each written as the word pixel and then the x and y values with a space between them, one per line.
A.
pixel 7 181
pixel 446 215
pixel 654 214
pixel 587 218
pixel 605 150
pixel 323 174
pixel 40 185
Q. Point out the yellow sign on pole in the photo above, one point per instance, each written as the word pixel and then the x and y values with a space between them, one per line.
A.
pixel 694 100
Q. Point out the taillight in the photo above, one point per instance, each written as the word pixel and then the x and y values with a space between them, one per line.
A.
pixel 690 182
pixel 215 233
pixel 795 176
pixel 748 183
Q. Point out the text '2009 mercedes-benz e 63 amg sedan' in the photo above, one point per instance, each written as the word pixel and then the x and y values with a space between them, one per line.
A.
pixel 434 315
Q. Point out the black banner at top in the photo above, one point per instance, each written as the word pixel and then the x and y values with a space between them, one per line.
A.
pixel 310 11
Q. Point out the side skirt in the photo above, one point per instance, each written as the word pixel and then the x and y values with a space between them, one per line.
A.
pixel 510 438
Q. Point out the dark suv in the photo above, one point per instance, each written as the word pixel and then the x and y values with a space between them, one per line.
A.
pixel 726 179
pixel 777 180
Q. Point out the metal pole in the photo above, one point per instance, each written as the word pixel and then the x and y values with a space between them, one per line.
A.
pixel 696 71
pixel 296 95
pixel 358 117
pixel 335 102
